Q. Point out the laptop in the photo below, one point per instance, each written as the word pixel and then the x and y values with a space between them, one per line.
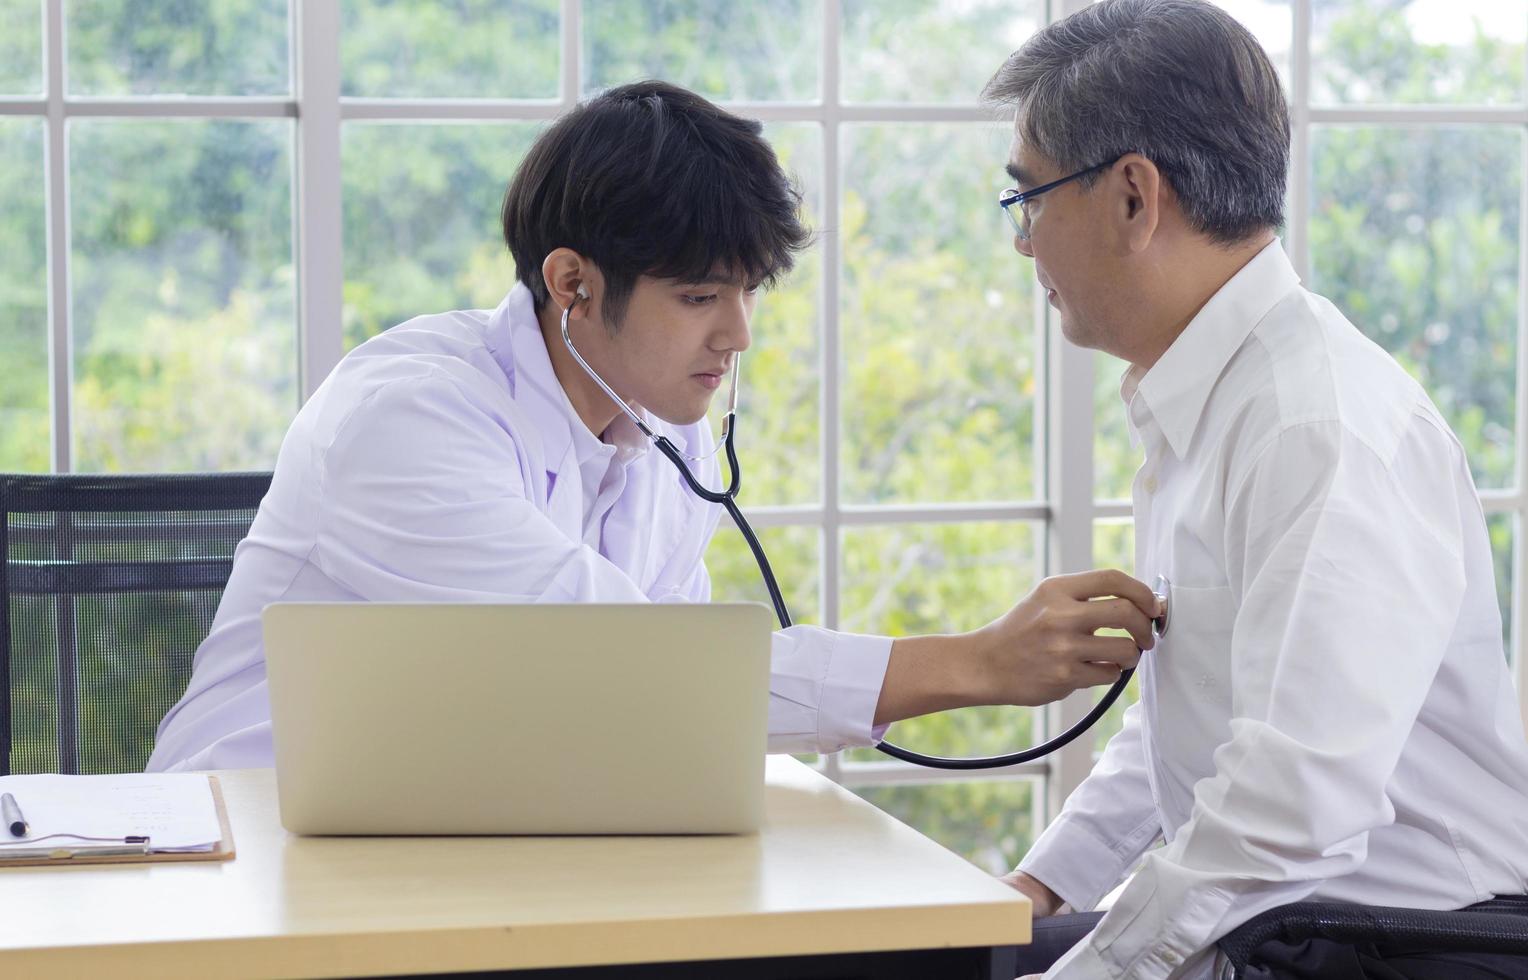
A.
pixel 404 718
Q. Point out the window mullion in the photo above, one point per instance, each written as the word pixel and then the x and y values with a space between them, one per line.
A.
pixel 1520 524
pixel 1069 478
pixel 319 236
pixel 1297 222
pixel 60 348
pixel 828 325
pixel 572 52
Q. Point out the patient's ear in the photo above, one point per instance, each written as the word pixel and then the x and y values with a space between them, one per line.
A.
pixel 1136 187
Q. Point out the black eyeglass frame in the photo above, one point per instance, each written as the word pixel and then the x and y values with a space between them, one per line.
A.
pixel 1013 199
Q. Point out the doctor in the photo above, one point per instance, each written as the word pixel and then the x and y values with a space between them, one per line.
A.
pixel 1330 716
pixel 465 457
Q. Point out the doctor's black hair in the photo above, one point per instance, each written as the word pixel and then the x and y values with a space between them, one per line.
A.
pixel 651 179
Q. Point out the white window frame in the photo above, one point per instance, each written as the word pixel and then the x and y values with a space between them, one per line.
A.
pixel 1065 434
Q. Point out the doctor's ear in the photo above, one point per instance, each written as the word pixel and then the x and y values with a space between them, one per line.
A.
pixel 566 275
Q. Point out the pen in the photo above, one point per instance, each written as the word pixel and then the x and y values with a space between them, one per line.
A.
pixel 66 853
pixel 12 813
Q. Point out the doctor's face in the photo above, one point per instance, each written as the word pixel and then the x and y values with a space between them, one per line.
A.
pixel 1068 233
pixel 673 350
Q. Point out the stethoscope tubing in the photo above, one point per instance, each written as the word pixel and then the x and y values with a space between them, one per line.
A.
pixel 728 499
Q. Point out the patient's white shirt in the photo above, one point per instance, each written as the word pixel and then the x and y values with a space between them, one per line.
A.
pixel 1330 716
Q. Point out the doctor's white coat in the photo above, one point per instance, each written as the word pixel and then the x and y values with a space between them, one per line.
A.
pixel 442 462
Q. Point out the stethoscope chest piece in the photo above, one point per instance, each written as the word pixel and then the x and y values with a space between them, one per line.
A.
pixel 1163 587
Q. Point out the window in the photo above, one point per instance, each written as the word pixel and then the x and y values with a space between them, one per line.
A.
pixel 245 190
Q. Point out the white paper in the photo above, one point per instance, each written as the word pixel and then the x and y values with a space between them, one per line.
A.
pixel 175 811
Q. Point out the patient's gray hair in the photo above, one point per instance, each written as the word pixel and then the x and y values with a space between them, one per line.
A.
pixel 1178 81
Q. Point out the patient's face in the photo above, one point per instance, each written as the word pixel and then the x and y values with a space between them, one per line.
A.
pixel 673 351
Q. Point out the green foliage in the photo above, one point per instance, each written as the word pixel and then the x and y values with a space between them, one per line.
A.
pixel 177 47
pixel 752 52
pixel 24 422
pixel 992 822
pixel 927 52
pixel 1417 237
pixel 20 47
pixel 393 49
pixel 183 298
pixel 1367 51
pixel 937 321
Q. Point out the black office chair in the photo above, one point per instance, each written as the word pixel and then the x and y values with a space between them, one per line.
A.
pixel 107 586
pixel 1496 926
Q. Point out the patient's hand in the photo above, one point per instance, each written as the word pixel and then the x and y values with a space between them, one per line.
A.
pixel 1046 902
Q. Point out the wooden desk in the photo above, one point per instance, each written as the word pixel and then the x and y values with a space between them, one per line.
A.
pixel 830 879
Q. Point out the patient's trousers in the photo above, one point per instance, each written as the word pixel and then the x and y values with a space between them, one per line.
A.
pixel 1314 959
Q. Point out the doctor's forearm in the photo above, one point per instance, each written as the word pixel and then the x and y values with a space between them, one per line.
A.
pixel 927 674
pixel 1039 652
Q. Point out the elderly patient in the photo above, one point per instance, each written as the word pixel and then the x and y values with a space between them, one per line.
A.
pixel 1330 716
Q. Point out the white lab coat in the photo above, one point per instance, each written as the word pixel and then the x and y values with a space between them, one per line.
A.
pixel 442 462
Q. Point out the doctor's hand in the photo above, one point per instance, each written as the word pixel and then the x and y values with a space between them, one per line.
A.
pixel 1045 647
pixel 1040 651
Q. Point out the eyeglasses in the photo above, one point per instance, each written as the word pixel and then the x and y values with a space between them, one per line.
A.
pixel 1015 203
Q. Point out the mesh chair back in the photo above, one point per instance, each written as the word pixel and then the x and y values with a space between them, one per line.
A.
pixel 107 586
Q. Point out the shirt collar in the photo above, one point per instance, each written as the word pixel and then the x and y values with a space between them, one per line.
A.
pixel 517 344
pixel 1174 392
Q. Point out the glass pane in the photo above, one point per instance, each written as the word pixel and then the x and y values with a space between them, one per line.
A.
pixel 779 435
pixel 991 824
pixel 1115 460
pixel 929 51
pixel 1414 235
pixel 464 49
pixel 124 47
pixel 737 52
pixel 422 232
pixel 1114 544
pixel 1272 22
pixel 24 423
pixel 182 293
pixel 795 554
pixel 21 47
pixel 905 580
pixel 939 340
pixel 1459 52
pixel 1503 529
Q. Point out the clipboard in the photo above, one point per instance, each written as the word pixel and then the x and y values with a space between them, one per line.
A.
pixel 63 857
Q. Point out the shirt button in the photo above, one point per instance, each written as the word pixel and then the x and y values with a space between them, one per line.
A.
pixel 1171 958
pixel 1150 484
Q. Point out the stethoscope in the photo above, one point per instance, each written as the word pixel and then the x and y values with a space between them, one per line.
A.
pixel 728 499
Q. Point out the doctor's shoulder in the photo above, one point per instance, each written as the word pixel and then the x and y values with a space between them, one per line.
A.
pixel 414 385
